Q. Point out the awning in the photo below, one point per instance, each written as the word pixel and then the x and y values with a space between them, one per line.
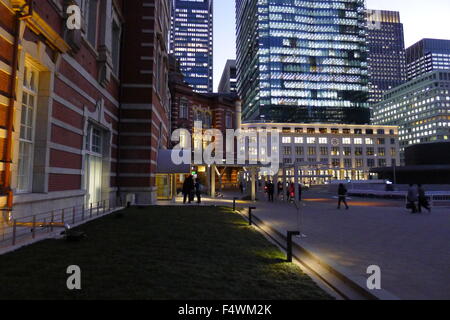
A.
pixel 165 164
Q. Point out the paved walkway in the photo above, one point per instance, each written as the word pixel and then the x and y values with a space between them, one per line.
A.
pixel 413 251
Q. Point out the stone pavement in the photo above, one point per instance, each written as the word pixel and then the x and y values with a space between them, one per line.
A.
pixel 413 251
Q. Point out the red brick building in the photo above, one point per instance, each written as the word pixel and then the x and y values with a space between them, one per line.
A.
pixel 145 100
pixel 214 110
pixel 81 117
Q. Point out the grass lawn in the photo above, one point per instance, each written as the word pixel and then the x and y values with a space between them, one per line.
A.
pixel 159 253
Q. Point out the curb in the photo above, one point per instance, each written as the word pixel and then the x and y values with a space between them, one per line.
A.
pixel 337 277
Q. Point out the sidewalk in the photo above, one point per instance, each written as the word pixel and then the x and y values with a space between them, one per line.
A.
pixel 413 251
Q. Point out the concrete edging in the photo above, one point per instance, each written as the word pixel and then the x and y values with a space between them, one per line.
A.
pixel 337 277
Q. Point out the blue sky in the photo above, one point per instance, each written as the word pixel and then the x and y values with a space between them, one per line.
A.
pixel 421 19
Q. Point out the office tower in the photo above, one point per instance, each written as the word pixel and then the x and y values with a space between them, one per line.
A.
pixel 228 80
pixel 420 107
pixel 302 61
pixel 328 152
pixel 191 41
pixel 427 55
pixel 386 58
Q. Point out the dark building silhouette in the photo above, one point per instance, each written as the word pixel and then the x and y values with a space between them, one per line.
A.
pixel 427 55
pixel 386 60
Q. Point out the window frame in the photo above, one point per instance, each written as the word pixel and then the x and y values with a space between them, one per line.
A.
pixel 33 91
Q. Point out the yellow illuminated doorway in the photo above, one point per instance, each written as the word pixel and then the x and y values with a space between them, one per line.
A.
pixel 164 186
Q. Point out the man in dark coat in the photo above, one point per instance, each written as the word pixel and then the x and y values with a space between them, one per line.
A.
pixel 342 194
pixel 270 190
pixel 422 201
pixel 188 188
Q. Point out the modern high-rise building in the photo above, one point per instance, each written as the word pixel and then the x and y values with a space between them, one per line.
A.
pixel 386 59
pixel 420 107
pixel 427 55
pixel 228 80
pixel 191 41
pixel 302 61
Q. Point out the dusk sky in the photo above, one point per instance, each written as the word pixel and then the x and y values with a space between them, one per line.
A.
pixel 421 19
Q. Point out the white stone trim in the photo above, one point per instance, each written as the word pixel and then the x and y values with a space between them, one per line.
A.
pixel 90 79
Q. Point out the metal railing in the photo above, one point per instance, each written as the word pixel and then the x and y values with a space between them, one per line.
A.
pixel 14 231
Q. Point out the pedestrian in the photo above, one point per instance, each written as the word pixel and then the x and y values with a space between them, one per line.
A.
pixel 188 187
pixel 198 191
pixel 342 195
pixel 291 192
pixel 412 198
pixel 280 187
pixel 270 190
pixel 241 187
pixel 422 199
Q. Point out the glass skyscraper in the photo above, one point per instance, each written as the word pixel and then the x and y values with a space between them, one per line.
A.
pixel 387 63
pixel 302 60
pixel 191 41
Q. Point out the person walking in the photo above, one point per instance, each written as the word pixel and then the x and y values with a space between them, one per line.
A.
pixel 198 191
pixel 291 192
pixel 422 199
pixel 342 195
pixel 241 187
pixel 270 190
pixel 412 198
pixel 188 187
pixel 279 188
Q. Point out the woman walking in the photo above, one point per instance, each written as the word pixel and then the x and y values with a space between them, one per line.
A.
pixel 412 198
pixel 423 201
pixel 342 195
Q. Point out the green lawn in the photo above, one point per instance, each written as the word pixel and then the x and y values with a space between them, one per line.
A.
pixel 159 253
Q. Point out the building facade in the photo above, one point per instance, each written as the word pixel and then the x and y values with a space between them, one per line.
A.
pixel 420 107
pixel 214 110
pixel 145 98
pixel 60 106
pixel 302 61
pixel 326 152
pixel 386 59
pixel 427 55
pixel 191 41
pixel 228 82
pixel 77 128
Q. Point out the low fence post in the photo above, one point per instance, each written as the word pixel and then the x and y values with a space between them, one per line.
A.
pixel 73 215
pixel 250 216
pixel 52 221
pixel 290 234
pixel 34 227
pixel 234 203
pixel 14 232
pixel 62 215
pixel 82 212
pixel 104 206
pixel 90 211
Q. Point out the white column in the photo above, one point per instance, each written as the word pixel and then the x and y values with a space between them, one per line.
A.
pixel 213 181
pixel 253 182
pixel 297 191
